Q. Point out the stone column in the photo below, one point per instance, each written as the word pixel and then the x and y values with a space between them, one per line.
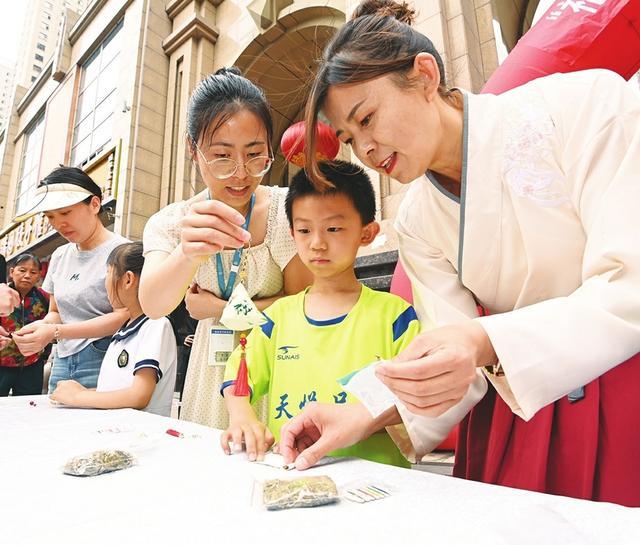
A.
pixel 190 48
pixel 139 193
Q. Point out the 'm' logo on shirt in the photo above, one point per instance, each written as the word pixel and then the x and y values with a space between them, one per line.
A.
pixel 285 353
pixel 75 276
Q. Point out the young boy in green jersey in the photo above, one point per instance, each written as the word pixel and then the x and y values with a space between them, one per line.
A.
pixel 334 327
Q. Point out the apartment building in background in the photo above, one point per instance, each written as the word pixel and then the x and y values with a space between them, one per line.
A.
pixel 7 81
pixel 41 33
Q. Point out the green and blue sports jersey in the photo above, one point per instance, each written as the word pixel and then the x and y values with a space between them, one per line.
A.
pixel 295 360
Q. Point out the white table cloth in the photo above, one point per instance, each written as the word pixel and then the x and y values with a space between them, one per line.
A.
pixel 186 491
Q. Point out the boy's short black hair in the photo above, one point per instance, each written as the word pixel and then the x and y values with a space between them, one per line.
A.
pixel 347 179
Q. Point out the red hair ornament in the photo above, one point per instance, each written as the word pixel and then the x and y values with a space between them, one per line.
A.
pixel 292 143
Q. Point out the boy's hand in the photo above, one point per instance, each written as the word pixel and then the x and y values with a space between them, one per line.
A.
pixel 66 392
pixel 257 437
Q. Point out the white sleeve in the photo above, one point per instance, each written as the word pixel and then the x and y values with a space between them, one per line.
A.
pixel 553 347
pixel 157 348
pixel 439 299
pixel 162 230
pixel 419 435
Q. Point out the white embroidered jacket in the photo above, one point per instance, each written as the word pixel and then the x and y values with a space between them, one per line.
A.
pixel 545 235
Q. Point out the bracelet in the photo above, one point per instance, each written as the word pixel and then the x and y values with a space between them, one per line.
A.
pixel 56 334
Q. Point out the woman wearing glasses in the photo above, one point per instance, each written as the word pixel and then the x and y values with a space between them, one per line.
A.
pixel 198 246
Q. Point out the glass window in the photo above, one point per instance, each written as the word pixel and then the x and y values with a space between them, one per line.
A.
pixel 96 99
pixel 29 166
pixel 40 46
pixel 37 68
pixel 39 57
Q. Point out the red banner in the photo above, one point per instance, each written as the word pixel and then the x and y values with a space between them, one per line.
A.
pixel 574 35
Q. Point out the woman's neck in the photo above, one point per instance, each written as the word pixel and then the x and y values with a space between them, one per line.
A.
pixel 97 237
pixel 448 159
pixel 135 310
pixel 345 282
pixel 23 292
pixel 329 298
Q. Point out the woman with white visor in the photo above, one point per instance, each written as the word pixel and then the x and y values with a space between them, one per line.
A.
pixel 80 320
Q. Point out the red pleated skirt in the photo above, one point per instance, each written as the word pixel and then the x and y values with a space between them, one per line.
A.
pixel 589 449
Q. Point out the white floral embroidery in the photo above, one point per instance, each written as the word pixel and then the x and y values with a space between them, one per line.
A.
pixel 530 167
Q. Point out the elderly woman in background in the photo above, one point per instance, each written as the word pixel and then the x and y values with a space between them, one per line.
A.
pixel 22 375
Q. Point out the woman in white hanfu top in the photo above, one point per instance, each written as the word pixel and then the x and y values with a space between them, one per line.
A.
pixel 196 246
pixel 525 206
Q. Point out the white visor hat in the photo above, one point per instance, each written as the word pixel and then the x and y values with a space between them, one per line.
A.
pixel 54 196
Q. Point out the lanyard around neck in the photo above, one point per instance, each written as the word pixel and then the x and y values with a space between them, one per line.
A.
pixel 225 289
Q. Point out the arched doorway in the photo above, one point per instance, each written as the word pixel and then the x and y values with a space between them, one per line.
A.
pixel 282 61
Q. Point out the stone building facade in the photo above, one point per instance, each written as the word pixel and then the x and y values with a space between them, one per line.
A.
pixel 113 97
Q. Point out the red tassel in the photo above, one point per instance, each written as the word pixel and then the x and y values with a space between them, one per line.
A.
pixel 241 388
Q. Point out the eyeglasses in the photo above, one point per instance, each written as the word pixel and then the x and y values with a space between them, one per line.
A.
pixel 225 167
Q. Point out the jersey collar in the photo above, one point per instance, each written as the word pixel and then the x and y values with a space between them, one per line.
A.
pixel 130 328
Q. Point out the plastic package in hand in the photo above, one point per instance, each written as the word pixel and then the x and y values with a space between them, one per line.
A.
pixel 369 389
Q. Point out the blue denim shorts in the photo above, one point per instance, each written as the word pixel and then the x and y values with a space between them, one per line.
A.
pixel 83 366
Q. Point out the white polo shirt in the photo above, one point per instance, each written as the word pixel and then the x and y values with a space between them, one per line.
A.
pixel 142 344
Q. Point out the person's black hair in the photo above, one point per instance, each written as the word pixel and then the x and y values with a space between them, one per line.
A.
pixel 23 258
pixel 75 176
pixel 123 258
pixel 345 178
pixel 220 96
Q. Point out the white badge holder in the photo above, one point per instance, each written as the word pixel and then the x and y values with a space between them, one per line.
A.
pixel 222 341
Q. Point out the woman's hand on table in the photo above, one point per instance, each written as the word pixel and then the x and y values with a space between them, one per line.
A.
pixel 434 372
pixel 209 227
pixel 67 391
pixel 256 436
pixel 202 304
pixel 33 337
pixel 321 428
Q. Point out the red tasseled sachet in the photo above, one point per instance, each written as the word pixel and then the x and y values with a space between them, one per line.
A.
pixel 242 379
